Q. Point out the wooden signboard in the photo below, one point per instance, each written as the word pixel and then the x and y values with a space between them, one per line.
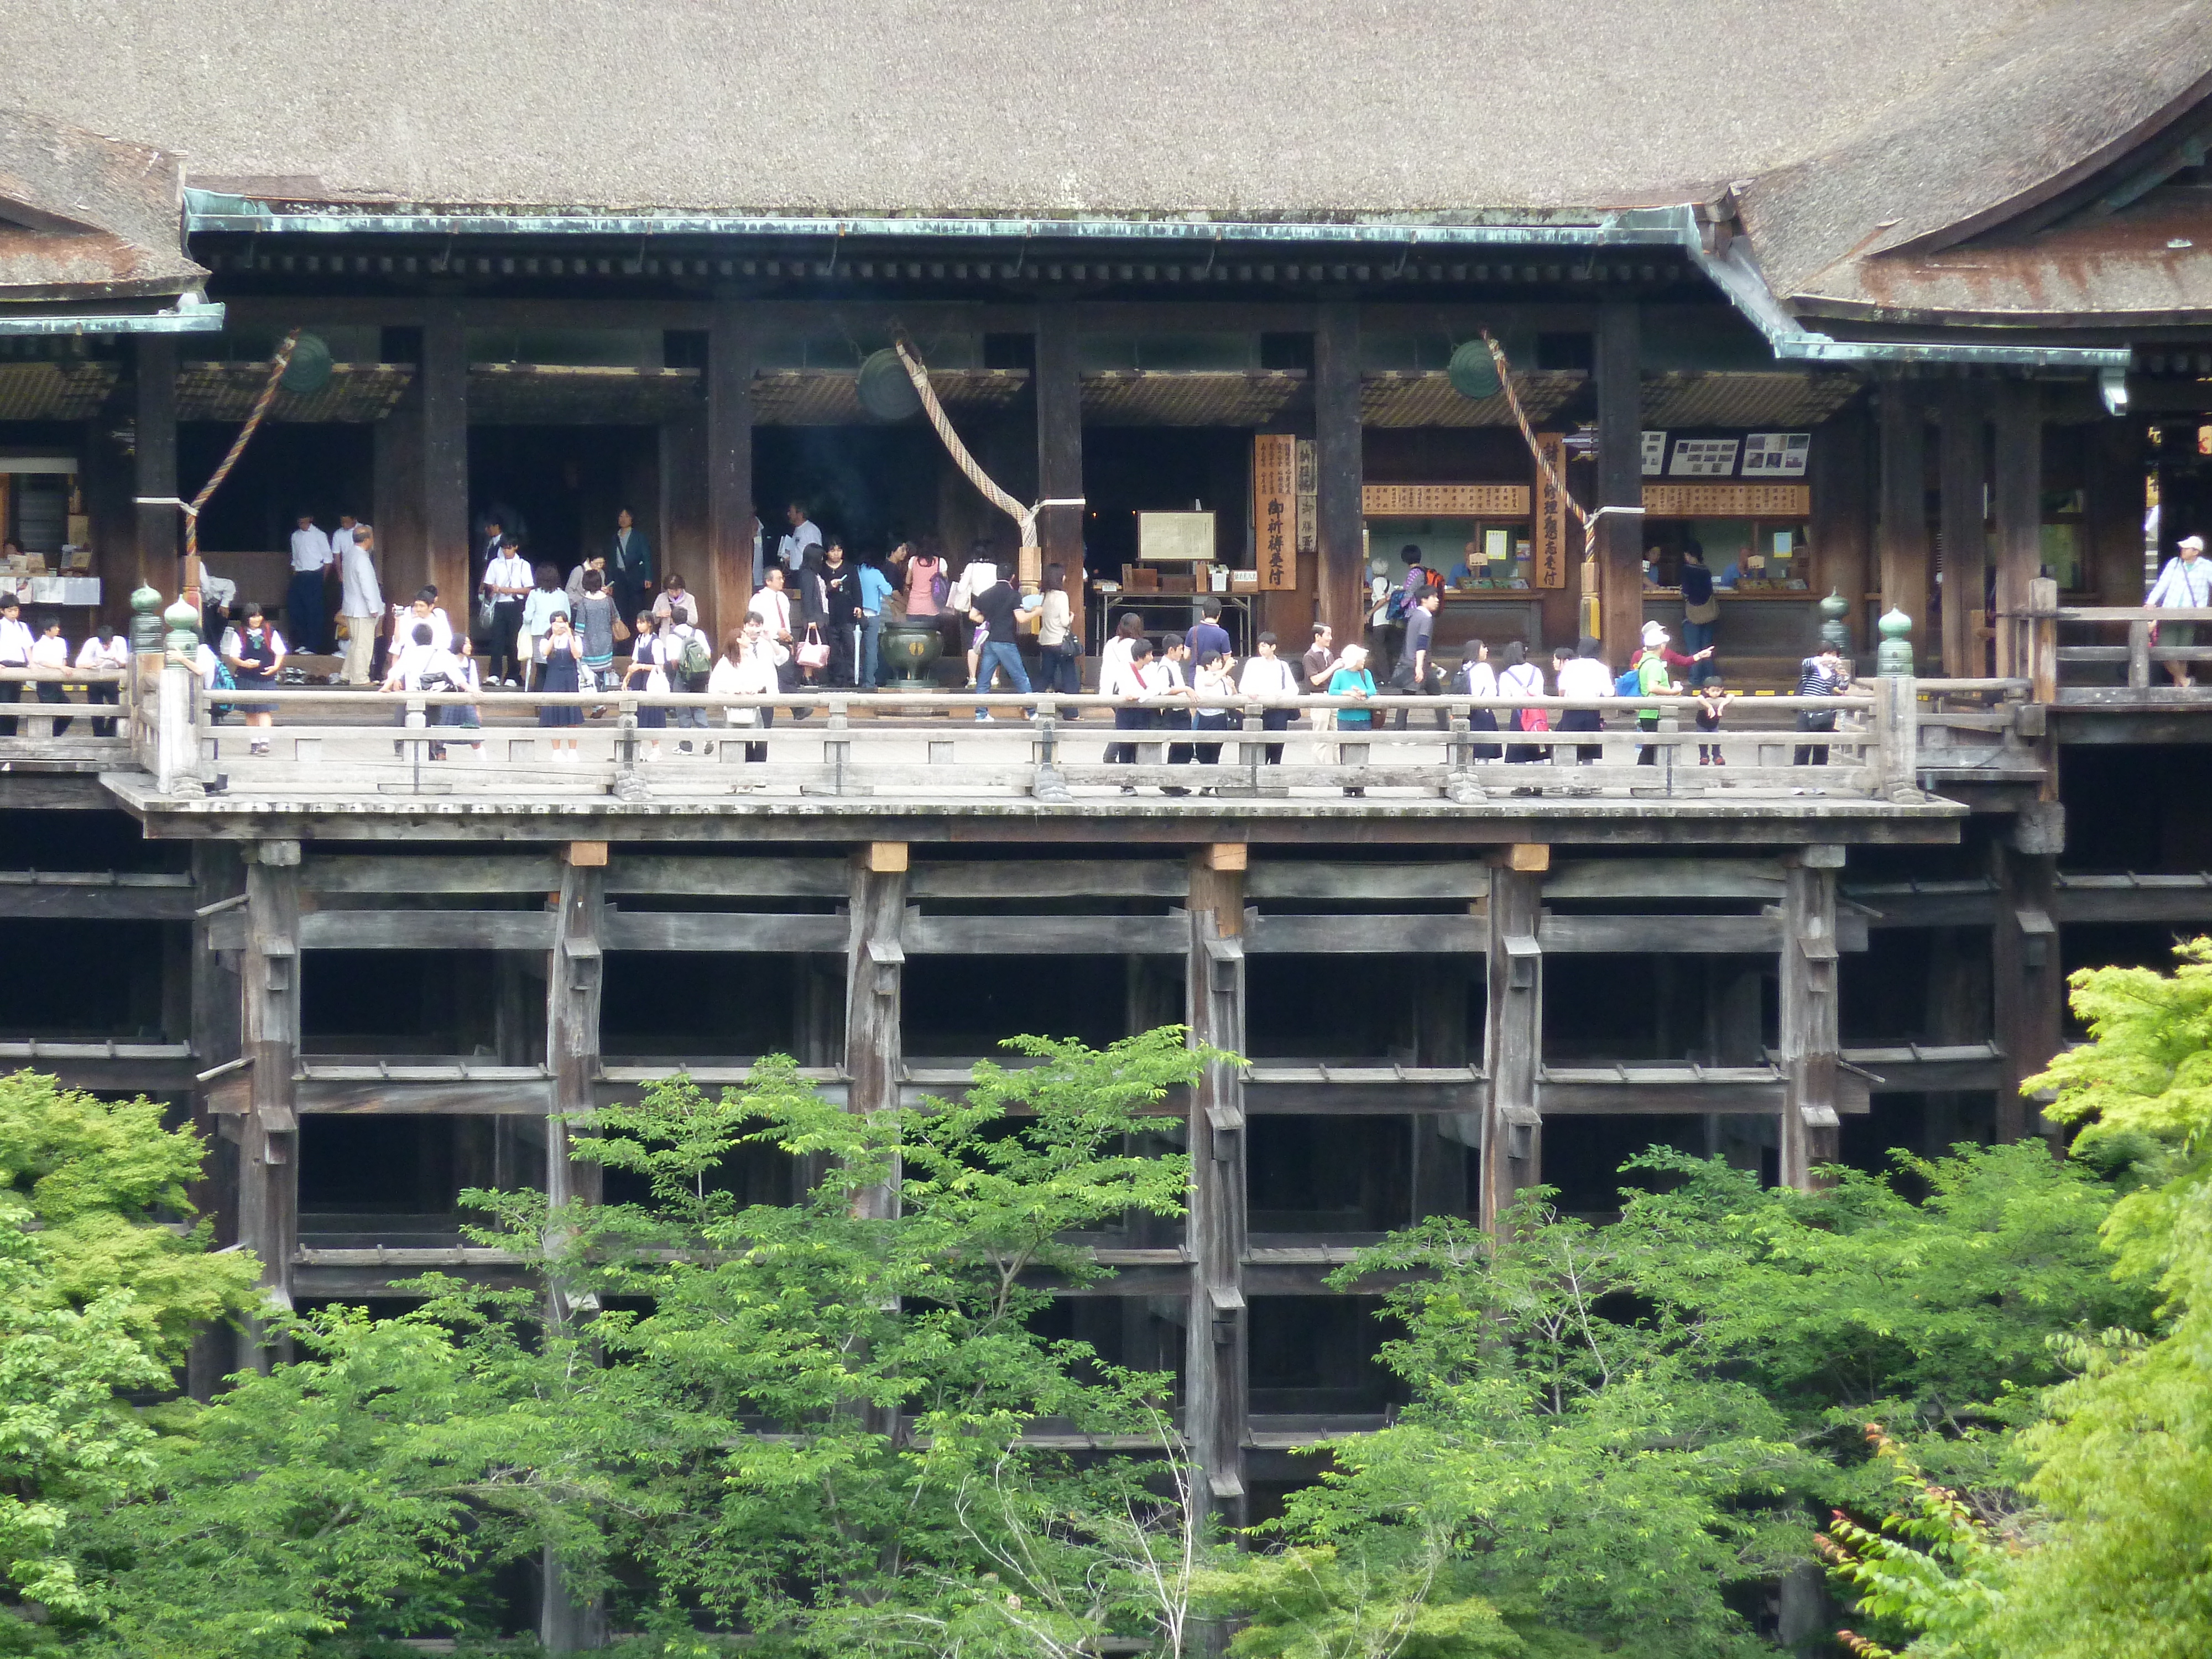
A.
pixel 1309 498
pixel 1445 501
pixel 1548 553
pixel 1275 509
pixel 1727 501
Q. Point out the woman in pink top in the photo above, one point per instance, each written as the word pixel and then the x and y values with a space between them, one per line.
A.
pixel 924 568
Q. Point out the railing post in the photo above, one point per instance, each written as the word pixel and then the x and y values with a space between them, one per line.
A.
pixel 1461 788
pixel 2139 654
pixel 2042 625
pixel 1896 739
pixel 628 786
pixel 1049 784
pixel 176 731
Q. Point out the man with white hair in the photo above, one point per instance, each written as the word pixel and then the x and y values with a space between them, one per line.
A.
pixel 2185 583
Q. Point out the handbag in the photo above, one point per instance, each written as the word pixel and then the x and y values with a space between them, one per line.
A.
pixel 484 614
pixel 813 651
pixel 621 630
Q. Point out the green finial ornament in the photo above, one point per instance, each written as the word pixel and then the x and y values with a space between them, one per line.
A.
pixel 146 619
pixel 184 636
pixel 1894 658
pixel 1832 628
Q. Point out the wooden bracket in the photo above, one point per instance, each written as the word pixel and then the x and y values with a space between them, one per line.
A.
pixel 883 858
pixel 278 855
pixel 1226 855
pixel 1821 855
pixel 1530 856
pixel 585 855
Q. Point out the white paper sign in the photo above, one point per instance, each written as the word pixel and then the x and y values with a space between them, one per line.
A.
pixel 1702 458
pixel 1776 455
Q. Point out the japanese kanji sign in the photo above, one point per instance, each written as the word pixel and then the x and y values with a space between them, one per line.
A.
pixel 1274 509
pixel 1550 551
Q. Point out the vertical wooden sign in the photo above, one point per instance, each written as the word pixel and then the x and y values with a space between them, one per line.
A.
pixel 1274 510
pixel 1549 555
pixel 1309 499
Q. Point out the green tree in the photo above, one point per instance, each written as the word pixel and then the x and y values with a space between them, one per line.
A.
pixel 102 1278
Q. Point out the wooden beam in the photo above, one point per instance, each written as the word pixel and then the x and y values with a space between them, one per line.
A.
pixel 1218 1338
pixel 521 1097
pixel 1965 556
pixel 1619 387
pixel 1841 474
pixel 1808 1046
pixel 1096 936
pixel 426 930
pixel 1903 534
pixel 46 899
pixel 269 1138
pixel 1655 1092
pixel 383 872
pixel 1280 1090
pixel 1364 883
pixel 875 974
pixel 1371 935
pixel 726 585
pixel 695 877
pixel 1666 878
pixel 719 930
pixel 1050 878
pixel 1513 1039
pixel 1340 583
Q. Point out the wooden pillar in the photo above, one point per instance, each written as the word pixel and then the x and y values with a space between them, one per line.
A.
pixel 1059 446
pixel 216 1036
pixel 2029 986
pixel 1439 1002
pixel 161 529
pixel 573 982
pixel 1219 1345
pixel 1513 1031
pixel 1341 581
pixel 1842 514
pixel 269 1141
pixel 875 969
pixel 1903 443
pixel 444 377
pixel 1619 478
pixel 684 529
pixel 2016 506
pixel 2117 473
pixel 1810 1042
pixel 1966 553
pixel 726 585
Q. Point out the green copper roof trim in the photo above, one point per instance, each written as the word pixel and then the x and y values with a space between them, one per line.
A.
pixel 1735 274
pixel 200 318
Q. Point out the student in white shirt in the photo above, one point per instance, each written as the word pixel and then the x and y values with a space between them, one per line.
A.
pixel 506 583
pixel 1583 673
pixel 254 652
pixel 303 600
pixel 50 656
pixel 792 550
pixel 360 600
pixel 423 609
pixel 1476 678
pixel 751 666
pixel 15 643
pixel 1131 675
pixel 772 604
pixel 539 608
pixel 104 651
pixel 1267 675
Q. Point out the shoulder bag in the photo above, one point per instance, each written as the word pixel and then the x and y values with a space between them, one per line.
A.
pixel 813 651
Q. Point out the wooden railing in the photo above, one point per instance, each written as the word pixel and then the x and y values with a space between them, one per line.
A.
pixel 929 746
pixel 33 738
pixel 2108 670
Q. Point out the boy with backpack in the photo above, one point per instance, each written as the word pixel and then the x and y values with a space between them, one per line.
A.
pixel 691 660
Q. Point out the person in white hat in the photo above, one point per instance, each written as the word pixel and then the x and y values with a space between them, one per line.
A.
pixel 2185 583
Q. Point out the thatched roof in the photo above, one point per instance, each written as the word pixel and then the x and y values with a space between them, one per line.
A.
pixel 1222 107
pixel 83 216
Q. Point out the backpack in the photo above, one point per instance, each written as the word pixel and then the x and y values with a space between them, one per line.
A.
pixel 696 658
pixel 1629 685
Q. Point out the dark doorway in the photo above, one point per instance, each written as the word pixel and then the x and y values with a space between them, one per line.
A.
pixel 560 487
pixel 323 468
pixel 871 486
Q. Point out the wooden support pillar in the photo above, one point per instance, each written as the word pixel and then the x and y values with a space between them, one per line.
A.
pixel 1902 444
pixel 269 1138
pixel 1619 478
pixel 1059 383
pixel 1219 1340
pixel 1340 582
pixel 573 986
pixel 567 1623
pixel 161 528
pixel 1513 1032
pixel 1809 1044
pixel 684 531
pixel 2016 508
pixel 875 969
pixel 444 377
pixel 726 585
pixel 216 1036
pixel 1841 475
pixel 1440 1141
pixel 1965 551
pixel 2029 986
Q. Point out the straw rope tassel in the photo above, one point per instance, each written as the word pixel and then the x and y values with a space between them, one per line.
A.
pixel 283 361
pixel 1031 571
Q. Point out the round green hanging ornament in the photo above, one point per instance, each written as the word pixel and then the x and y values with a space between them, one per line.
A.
pixel 309 370
pixel 1473 371
pixel 886 393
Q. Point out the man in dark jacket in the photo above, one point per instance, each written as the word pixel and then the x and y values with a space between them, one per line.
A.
pixel 630 566
pixel 833 603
